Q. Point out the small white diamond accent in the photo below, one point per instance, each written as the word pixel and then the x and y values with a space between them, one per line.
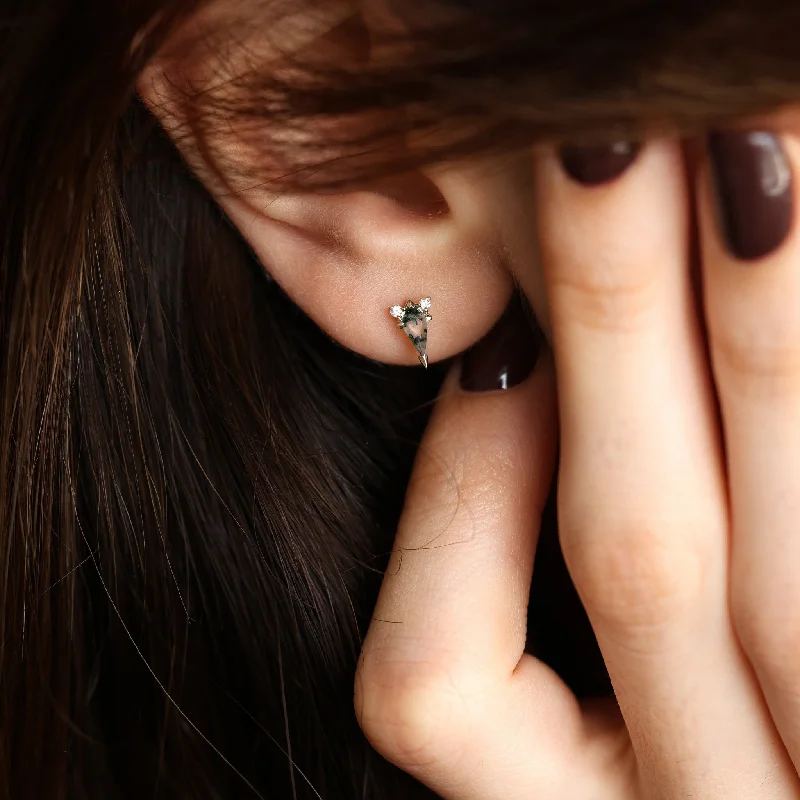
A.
pixel 396 311
pixel 425 303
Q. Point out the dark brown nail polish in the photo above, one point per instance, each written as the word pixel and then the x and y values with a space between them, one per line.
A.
pixel 755 195
pixel 506 355
pixel 593 166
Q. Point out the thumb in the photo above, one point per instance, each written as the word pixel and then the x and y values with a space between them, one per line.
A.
pixel 443 689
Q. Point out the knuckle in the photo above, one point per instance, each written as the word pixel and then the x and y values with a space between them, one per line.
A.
pixel 605 296
pixel 413 714
pixel 632 575
pixel 767 622
pixel 760 359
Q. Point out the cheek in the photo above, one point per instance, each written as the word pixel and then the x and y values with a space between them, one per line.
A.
pixel 531 282
pixel 509 206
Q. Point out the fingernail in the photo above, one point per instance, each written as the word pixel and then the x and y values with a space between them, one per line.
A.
pixel 755 197
pixel 593 166
pixel 506 355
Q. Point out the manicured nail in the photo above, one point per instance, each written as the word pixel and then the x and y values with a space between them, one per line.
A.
pixel 755 196
pixel 506 355
pixel 593 166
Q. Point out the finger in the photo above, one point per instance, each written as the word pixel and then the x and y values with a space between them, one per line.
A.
pixel 752 290
pixel 443 689
pixel 642 505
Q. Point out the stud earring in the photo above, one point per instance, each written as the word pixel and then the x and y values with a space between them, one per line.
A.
pixel 413 319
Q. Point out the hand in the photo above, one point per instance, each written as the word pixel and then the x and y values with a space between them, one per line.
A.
pixel 680 524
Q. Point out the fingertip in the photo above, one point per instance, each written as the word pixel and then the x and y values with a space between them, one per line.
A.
pixel 507 355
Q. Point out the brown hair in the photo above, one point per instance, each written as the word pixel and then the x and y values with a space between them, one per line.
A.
pixel 198 489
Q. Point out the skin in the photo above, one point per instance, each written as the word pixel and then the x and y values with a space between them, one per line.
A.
pixel 678 523
pixel 684 558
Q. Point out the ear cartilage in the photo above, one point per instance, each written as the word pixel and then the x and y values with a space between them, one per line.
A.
pixel 413 319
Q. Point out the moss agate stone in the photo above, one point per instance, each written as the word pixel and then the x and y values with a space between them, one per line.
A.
pixel 413 320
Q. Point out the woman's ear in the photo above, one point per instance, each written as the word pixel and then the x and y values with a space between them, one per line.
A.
pixel 346 257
